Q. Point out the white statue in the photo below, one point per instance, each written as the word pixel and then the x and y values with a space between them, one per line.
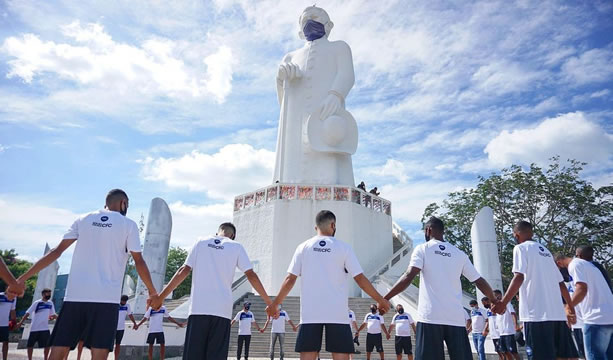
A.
pixel 317 136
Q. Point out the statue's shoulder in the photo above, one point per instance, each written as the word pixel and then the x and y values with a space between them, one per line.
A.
pixel 340 46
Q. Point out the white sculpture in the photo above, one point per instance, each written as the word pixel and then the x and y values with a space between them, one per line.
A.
pixel 46 277
pixel 485 249
pixel 317 136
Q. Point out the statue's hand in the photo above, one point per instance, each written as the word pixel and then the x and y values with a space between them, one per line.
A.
pixel 330 105
pixel 288 71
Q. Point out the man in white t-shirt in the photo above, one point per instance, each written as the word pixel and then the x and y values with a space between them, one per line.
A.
pixel 353 323
pixel 323 263
pixel 104 241
pixel 277 331
pixel 213 261
pixel 540 285
pixel 41 311
pixel 439 312
pixel 124 310
pixel 7 312
pixel 595 300
pixel 402 322
pixel 374 323
pixel 478 318
pixel 156 328
pixel 246 320
pixel 507 327
pixel 490 326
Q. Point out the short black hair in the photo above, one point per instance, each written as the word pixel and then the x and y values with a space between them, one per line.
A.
pixel 522 226
pixel 497 292
pixel 586 251
pixel 485 298
pixel 124 297
pixel 228 227
pixel 473 302
pixel 114 195
pixel 435 223
pixel 324 217
pixel 45 290
pixel 559 256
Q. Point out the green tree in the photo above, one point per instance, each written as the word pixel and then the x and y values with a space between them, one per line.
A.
pixel 566 211
pixel 18 267
pixel 176 259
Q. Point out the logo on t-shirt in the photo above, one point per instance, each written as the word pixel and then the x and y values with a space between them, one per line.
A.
pixel 216 247
pixel 543 253
pixel 442 247
pixel 542 248
pixel 104 218
pixel 322 243
pixel 245 316
pixel 217 241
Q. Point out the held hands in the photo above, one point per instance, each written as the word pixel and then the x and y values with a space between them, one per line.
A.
pixel 155 301
pixel 135 327
pixel 383 305
pixel 16 290
pixel 387 336
pixel 288 71
pixel 329 106
pixel 498 307
pixel 570 315
pixel 272 310
pixel 262 331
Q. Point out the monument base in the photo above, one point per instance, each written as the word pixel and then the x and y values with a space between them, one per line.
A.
pixel 272 222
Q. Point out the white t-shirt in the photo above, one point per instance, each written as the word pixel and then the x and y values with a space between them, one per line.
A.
pixel 156 319
pixel 104 240
pixel 374 322
pixel 478 317
pixel 571 289
pixel 539 294
pixel 213 261
pixel 124 310
pixel 440 289
pixel 39 313
pixel 492 318
pixel 597 306
pixel 505 323
pixel 323 263
pixel 351 317
pixel 402 323
pixel 278 325
pixel 244 318
pixel 6 306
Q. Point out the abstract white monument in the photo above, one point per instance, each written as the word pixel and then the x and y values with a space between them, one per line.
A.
pixel 155 250
pixel 485 249
pixel 46 278
pixel 313 169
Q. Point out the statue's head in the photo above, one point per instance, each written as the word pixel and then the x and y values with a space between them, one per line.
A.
pixel 317 14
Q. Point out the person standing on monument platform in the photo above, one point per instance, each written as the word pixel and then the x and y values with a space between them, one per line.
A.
pixel 42 311
pixel 540 284
pixel 7 313
pixel 278 332
pixel 104 241
pixel 323 263
pixel 439 316
pixel 213 261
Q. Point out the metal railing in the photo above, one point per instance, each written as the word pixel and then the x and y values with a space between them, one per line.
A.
pixel 395 258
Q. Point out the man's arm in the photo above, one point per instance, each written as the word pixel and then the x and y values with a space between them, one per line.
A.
pixel 486 330
pixel 11 282
pixel 268 321
pixel 24 318
pixel 365 285
pixel 361 327
pixel 13 315
pixel 486 289
pixel 579 294
pixel 355 325
pixel 232 322
pixel 256 326
pixel 140 323
pixel 294 327
pixel 512 290
pixel 257 285
pixel 414 328
pixel 569 307
pixel 387 334
pixel 46 260
pixel 181 274
pixel 143 272
pixel 286 287
pixel 171 319
pixel 133 320
pixel 403 282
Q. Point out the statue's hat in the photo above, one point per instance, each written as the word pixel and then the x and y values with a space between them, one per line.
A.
pixel 338 133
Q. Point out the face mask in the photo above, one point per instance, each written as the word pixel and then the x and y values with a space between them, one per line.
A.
pixel 487 306
pixel 401 311
pixel 373 310
pixel 46 297
pixel 123 210
pixel 247 308
pixel 313 30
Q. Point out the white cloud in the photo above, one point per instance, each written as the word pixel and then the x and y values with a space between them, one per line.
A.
pixel 395 169
pixel 234 169
pixel 94 59
pixel 504 77
pixel 592 66
pixel 571 136
pixel 189 222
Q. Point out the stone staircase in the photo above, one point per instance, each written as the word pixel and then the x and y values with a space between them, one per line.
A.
pixel 260 342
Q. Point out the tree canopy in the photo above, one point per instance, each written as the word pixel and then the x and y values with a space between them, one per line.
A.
pixel 176 259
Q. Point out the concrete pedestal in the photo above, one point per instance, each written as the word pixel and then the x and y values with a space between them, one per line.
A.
pixel 271 222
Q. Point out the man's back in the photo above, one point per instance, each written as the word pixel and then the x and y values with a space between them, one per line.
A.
pixel 597 306
pixel 213 261
pixel 539 294
pixel 104 239
pixel 323 263
pixel 440 290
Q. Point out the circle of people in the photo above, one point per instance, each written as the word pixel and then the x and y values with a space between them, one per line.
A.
pixel 558 295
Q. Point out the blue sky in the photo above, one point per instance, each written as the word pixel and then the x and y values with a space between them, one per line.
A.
pixel 178 100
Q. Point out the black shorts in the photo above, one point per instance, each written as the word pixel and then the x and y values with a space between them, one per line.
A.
pixel 338 338
pixel 403 343
pixel 4 333
pixel 118 337
pixel 207 337
pixel 374 341
pixel 508 344
pixel 550 340
pixel 94 323
pixel 496 345
pixel 156 337
pixel 430 338
pixel 40 337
